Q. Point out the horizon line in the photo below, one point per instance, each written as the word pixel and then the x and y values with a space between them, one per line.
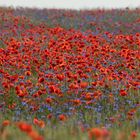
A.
pixel 59 8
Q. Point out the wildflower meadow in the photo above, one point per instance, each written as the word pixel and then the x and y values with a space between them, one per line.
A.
pixel 69 74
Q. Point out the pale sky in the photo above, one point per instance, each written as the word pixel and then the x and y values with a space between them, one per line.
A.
pixel 74 4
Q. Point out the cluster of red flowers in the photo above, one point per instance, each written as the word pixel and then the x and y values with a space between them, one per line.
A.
pixel 24 127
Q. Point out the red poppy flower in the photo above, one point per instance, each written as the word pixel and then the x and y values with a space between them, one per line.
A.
pixel 62 117
pixel 41 80
pixel 123 93
pixel 6 123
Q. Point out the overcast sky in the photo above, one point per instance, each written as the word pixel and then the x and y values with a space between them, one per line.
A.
pixel 75 4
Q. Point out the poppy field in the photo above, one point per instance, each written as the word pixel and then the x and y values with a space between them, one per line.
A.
pixel 69 75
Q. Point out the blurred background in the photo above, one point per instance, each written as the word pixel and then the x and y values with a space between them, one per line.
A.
pixel 72 4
